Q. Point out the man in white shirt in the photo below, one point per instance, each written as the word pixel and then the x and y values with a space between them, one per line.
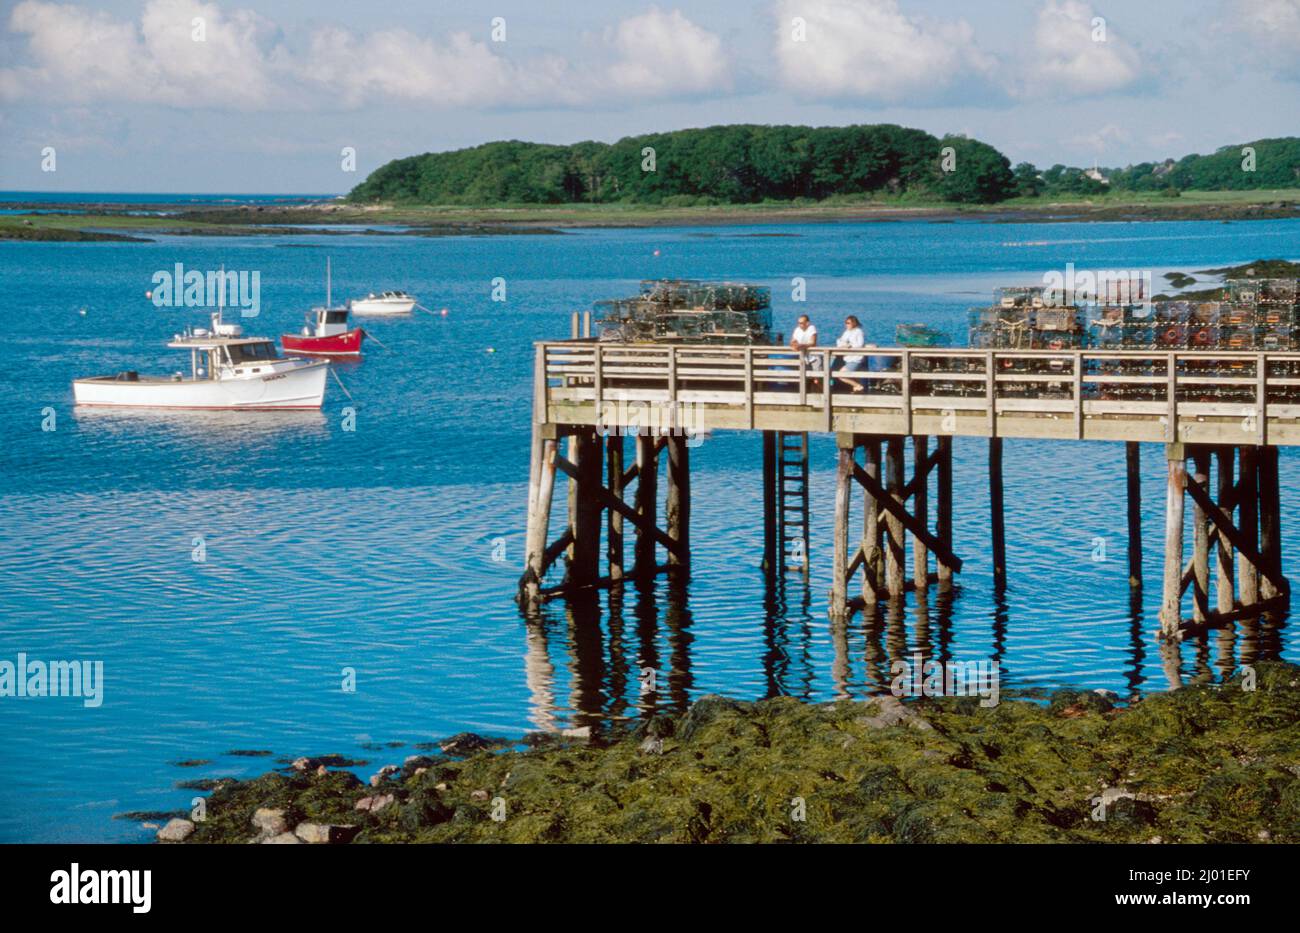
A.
pixel 804 338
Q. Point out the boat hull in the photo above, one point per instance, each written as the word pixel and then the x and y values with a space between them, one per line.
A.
pixel 378 307
pixel 302 388
pixel 348 344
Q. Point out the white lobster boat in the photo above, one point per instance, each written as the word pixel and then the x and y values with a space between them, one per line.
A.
pixel 385 303
pixel 227 371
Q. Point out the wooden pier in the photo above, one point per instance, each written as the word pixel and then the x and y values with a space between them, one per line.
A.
pixel 1225 413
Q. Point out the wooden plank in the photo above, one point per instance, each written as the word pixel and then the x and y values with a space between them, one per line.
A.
pixel 1171 399
pixel 907 391
pixel 749 386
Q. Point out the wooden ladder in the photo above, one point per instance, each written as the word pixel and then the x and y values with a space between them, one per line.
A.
pixel 792 500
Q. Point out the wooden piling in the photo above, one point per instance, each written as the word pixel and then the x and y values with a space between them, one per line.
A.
pixel 943 518
pixel 1270 520
pixel 614 551
pixel 539 515
pixel 1133 463
pixel 584 565
pixel 840 552
pixel 1200 538
pixel 997 526
pixel 871 556
pixel 770 544
pixel 1225 597
pixel 646 503
pixel 895 560
pixel 920 509
pixel 1171 601
pixel 677 507
pixel 1248 523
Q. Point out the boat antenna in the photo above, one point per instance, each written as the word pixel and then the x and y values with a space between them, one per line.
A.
pixel 221 295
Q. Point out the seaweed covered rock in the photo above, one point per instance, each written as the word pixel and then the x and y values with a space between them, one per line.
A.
pixel 1206 763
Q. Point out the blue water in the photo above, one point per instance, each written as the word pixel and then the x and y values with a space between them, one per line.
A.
pixel 373 549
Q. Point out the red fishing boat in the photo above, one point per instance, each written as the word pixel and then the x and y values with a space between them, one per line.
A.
pixel 327 332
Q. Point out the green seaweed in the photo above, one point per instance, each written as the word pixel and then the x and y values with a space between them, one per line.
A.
pixel 1206 763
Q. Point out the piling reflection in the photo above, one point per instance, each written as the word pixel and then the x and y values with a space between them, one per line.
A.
pixel 627 653
pixel 787 637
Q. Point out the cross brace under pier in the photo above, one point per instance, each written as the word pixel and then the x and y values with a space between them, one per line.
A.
pixel 879 554
pixel 598 484
pixel 1245 484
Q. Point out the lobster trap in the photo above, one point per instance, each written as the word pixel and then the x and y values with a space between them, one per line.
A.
pixel 688 311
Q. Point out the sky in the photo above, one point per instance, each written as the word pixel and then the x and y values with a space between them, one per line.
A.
pixel 264 96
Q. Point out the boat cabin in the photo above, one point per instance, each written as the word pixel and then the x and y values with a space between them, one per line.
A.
pixel 327 322
pixel 217 357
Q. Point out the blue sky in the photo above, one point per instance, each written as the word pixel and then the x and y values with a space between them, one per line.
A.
pixel 262 95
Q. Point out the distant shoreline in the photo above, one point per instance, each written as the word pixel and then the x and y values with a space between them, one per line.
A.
pixel 100 220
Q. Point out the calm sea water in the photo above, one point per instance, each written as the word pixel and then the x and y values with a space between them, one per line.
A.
pixel 374 549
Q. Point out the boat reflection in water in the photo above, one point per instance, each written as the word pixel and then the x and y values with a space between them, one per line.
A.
pixel 601 658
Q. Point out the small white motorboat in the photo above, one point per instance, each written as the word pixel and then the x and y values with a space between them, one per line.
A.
pixel 227 371
pixel 383 303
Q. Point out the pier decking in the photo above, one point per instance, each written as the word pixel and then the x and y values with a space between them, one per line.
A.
pixel 1235 408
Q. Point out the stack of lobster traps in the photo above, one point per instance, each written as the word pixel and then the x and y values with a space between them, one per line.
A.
pixel 1022 318
pixel 1252 315
pixel 688 311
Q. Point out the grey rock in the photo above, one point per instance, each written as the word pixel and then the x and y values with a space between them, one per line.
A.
pixel 325 834
pixel 890 711
pixel 176 830
pixel 270 822
pixel 374 803
pixel 282 839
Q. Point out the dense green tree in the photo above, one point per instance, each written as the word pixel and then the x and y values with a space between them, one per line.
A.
pixel 748 163
pixel 978 173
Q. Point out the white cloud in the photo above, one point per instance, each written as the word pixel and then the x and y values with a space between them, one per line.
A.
pixel 81 55
pixel 1070 55
pixel 77 55
pixel 870 50
pixel 457 72
pixel 1273 29
pixel 665 53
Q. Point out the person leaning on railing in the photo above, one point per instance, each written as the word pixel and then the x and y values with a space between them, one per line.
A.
pixel 852 338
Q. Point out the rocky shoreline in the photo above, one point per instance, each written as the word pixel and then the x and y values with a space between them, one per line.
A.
pixel 98 221
pixel 1206 763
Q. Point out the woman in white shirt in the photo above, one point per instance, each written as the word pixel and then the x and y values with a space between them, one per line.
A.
pixel 855 339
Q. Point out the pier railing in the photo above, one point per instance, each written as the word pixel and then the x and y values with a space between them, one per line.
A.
pixel 1131 395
